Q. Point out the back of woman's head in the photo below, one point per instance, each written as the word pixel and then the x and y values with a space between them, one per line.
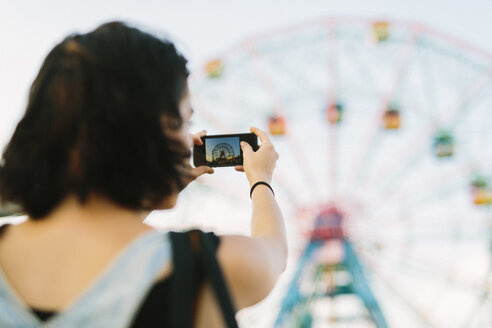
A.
pixel 99 119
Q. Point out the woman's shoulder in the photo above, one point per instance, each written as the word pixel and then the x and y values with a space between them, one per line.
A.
pixel 248 270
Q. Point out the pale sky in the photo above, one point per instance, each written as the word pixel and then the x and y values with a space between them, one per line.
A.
pixel 29 29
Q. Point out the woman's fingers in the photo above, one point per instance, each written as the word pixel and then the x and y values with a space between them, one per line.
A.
pixel 196 140
pixel 261 134
pixel 201 170
pixel 246 147
pixel 197 137
pixel 239 168
pixel 196 172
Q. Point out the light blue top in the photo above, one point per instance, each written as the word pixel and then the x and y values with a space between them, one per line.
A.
pixel 111 301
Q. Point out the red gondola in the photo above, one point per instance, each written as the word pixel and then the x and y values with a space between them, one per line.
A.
pixel 276 125
pixel 334 113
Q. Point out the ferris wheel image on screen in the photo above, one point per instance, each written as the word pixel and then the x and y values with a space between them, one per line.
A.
pixel 220 151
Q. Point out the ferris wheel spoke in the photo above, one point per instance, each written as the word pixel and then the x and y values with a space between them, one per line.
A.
pixel 467 109
pixel 365 74
pixel 422 227
pixel 478 85
pixel 309 178
pixel 433 184
pixel 358 160
pixel 425 196
pixel 483 299
pixel 419 204
pixel 332 95
pixel 432 269
pixel 385 100
pixel 417 231
pixel 428 86
pixel 388 173
pixel 332 154
pixel 437 275
pixel 481 137
pixel 211 117
pixel 300 80
pixel 395 190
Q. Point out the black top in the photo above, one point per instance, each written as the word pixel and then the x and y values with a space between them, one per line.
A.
pixel 155 310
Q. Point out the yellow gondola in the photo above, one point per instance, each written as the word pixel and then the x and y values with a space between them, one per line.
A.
pixel 391 119
pixel 481 191
pixel 380 31
pixel 214 68
pixel 482 196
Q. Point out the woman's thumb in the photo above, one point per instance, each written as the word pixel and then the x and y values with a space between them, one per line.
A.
pixel 246 146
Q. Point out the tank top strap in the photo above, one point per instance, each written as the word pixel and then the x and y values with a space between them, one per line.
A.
pixel 112 300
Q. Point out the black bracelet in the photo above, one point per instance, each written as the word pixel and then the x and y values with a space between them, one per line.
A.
pixel 260 183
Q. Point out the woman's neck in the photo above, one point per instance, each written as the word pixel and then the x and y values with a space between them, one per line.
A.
pixel 97 211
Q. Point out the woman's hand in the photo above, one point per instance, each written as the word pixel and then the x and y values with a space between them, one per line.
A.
pixel 259 165
pixel 195 172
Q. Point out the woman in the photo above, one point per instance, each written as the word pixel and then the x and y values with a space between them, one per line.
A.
pixel 105 140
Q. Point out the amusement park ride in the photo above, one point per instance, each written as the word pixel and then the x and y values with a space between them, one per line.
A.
pixel 328 256
pixel 385 126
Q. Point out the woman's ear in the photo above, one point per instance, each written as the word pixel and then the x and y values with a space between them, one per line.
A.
pixel 168 202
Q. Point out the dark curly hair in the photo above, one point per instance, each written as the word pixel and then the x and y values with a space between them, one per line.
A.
pixel 100 117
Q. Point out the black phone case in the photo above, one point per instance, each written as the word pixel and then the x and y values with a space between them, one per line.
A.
pixel 199 151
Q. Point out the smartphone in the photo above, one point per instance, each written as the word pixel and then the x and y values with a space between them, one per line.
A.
pixel 222 149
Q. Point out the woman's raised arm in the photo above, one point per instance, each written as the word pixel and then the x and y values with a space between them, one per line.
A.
pixel 253 264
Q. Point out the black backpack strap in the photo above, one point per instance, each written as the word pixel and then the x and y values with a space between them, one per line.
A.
pixel 213 273
pixel 184 280
pixel 193 259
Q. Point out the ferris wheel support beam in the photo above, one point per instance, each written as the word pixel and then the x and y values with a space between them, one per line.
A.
pixel 361 286
pixel 419 143
pixel 294 295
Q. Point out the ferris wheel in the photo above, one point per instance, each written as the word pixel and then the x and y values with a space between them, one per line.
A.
pixel 384 132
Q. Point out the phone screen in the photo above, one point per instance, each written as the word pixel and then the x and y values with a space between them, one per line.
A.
pixel 222 151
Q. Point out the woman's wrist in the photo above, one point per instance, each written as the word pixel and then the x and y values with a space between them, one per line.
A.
pixel 260 183
pixel 257 178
